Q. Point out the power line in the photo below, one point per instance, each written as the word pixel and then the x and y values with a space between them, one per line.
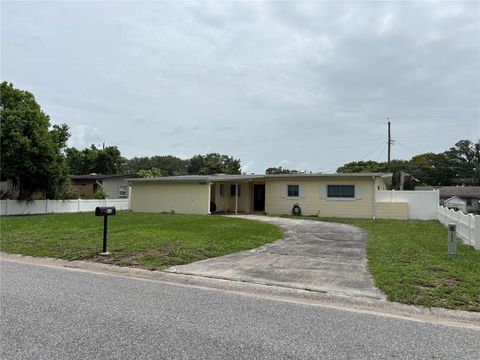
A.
pixel 381 152
pixel 409 148
pixel 371 152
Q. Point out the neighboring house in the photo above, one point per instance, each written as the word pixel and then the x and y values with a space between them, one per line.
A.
pixel 115 186
pixel 336 195
pixel 463 198
pixel 456 203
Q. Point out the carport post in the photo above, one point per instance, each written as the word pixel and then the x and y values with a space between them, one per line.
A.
pixel 236 198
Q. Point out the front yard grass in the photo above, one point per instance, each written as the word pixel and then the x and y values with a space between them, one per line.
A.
pixel 409 263
pixel 152 241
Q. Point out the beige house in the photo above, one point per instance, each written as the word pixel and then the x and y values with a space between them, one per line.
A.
pixel 330 195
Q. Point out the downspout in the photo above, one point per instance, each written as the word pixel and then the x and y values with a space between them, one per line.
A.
pixel 236 198
pixel 209 196
pixel 374 205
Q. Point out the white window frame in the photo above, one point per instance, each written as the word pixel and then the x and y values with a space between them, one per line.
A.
pixel 293 197
pixel 341 198
pixel 125 195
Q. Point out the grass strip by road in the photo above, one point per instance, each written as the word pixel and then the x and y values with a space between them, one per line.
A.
pixel 152 241
pixel 409 263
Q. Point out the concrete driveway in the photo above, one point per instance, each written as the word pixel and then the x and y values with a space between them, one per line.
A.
pixel 313 255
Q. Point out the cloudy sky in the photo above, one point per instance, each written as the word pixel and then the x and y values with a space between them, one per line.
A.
pixel 303 85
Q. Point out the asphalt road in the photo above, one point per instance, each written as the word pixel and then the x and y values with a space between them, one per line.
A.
pixel 49 313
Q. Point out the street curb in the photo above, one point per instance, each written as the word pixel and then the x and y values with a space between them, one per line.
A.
pixel 313 298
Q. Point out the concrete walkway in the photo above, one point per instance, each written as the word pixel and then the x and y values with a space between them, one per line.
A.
pixel 313 255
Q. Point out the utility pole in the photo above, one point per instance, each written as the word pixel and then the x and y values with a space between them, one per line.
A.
pixel 389 140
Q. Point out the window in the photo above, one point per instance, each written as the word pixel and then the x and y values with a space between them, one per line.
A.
pixel 222 190
pixel 232 190
pixel 293 190
pixel 341 191
pixel 122 191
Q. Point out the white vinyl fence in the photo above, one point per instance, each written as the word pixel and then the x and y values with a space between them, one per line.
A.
pixel 468 226
pixel 422 205
pixel 14 207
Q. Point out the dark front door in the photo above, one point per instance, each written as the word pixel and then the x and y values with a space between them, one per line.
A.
pixel 259 197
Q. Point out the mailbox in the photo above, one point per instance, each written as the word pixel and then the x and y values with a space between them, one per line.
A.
pixel 105 211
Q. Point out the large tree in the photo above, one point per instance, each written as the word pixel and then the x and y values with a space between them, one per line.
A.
pixel 214 163
pixel 464 161
pixel 94 160
pixel 32 150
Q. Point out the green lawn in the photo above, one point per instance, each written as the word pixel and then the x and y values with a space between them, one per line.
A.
pixel 409 263
pixel 152 241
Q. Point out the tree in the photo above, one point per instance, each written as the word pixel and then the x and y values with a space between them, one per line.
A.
pixel 464 160
pixel 151 173
pixel 32 150
pixel 195 164
pixel 362 166
pixel 94 160
pixel 214 163
pixel 280 170
pixel 167 165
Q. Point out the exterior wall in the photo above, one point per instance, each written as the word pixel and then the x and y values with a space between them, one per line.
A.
pixel 112 187
pixel 380 184
pixel 226 203
pixel 313 199
pixel 183 198
pixel 85 188
pixel 392 210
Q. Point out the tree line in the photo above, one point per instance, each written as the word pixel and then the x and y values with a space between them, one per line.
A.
pixel 110 161
pixel 459 165
pixel 36 161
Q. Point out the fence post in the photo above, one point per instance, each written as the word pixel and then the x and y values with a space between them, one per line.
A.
pixel 476 236
pixel 46 206
pixel 452 241
pixel 470 234
pixel 6 207
pixel 78 205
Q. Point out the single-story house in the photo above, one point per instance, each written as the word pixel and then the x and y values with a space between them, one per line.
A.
pixel 463 198
pixel 335 195
pixel 115 186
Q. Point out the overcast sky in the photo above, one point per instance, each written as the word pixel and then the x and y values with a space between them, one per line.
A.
pixel 303 85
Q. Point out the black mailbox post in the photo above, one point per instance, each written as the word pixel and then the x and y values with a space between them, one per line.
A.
pixel 105 212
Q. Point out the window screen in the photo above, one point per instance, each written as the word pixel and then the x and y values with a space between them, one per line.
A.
pixel 341 191
pixel 293 190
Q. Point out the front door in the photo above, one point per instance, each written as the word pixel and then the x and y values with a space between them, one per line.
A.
pixel 259 197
